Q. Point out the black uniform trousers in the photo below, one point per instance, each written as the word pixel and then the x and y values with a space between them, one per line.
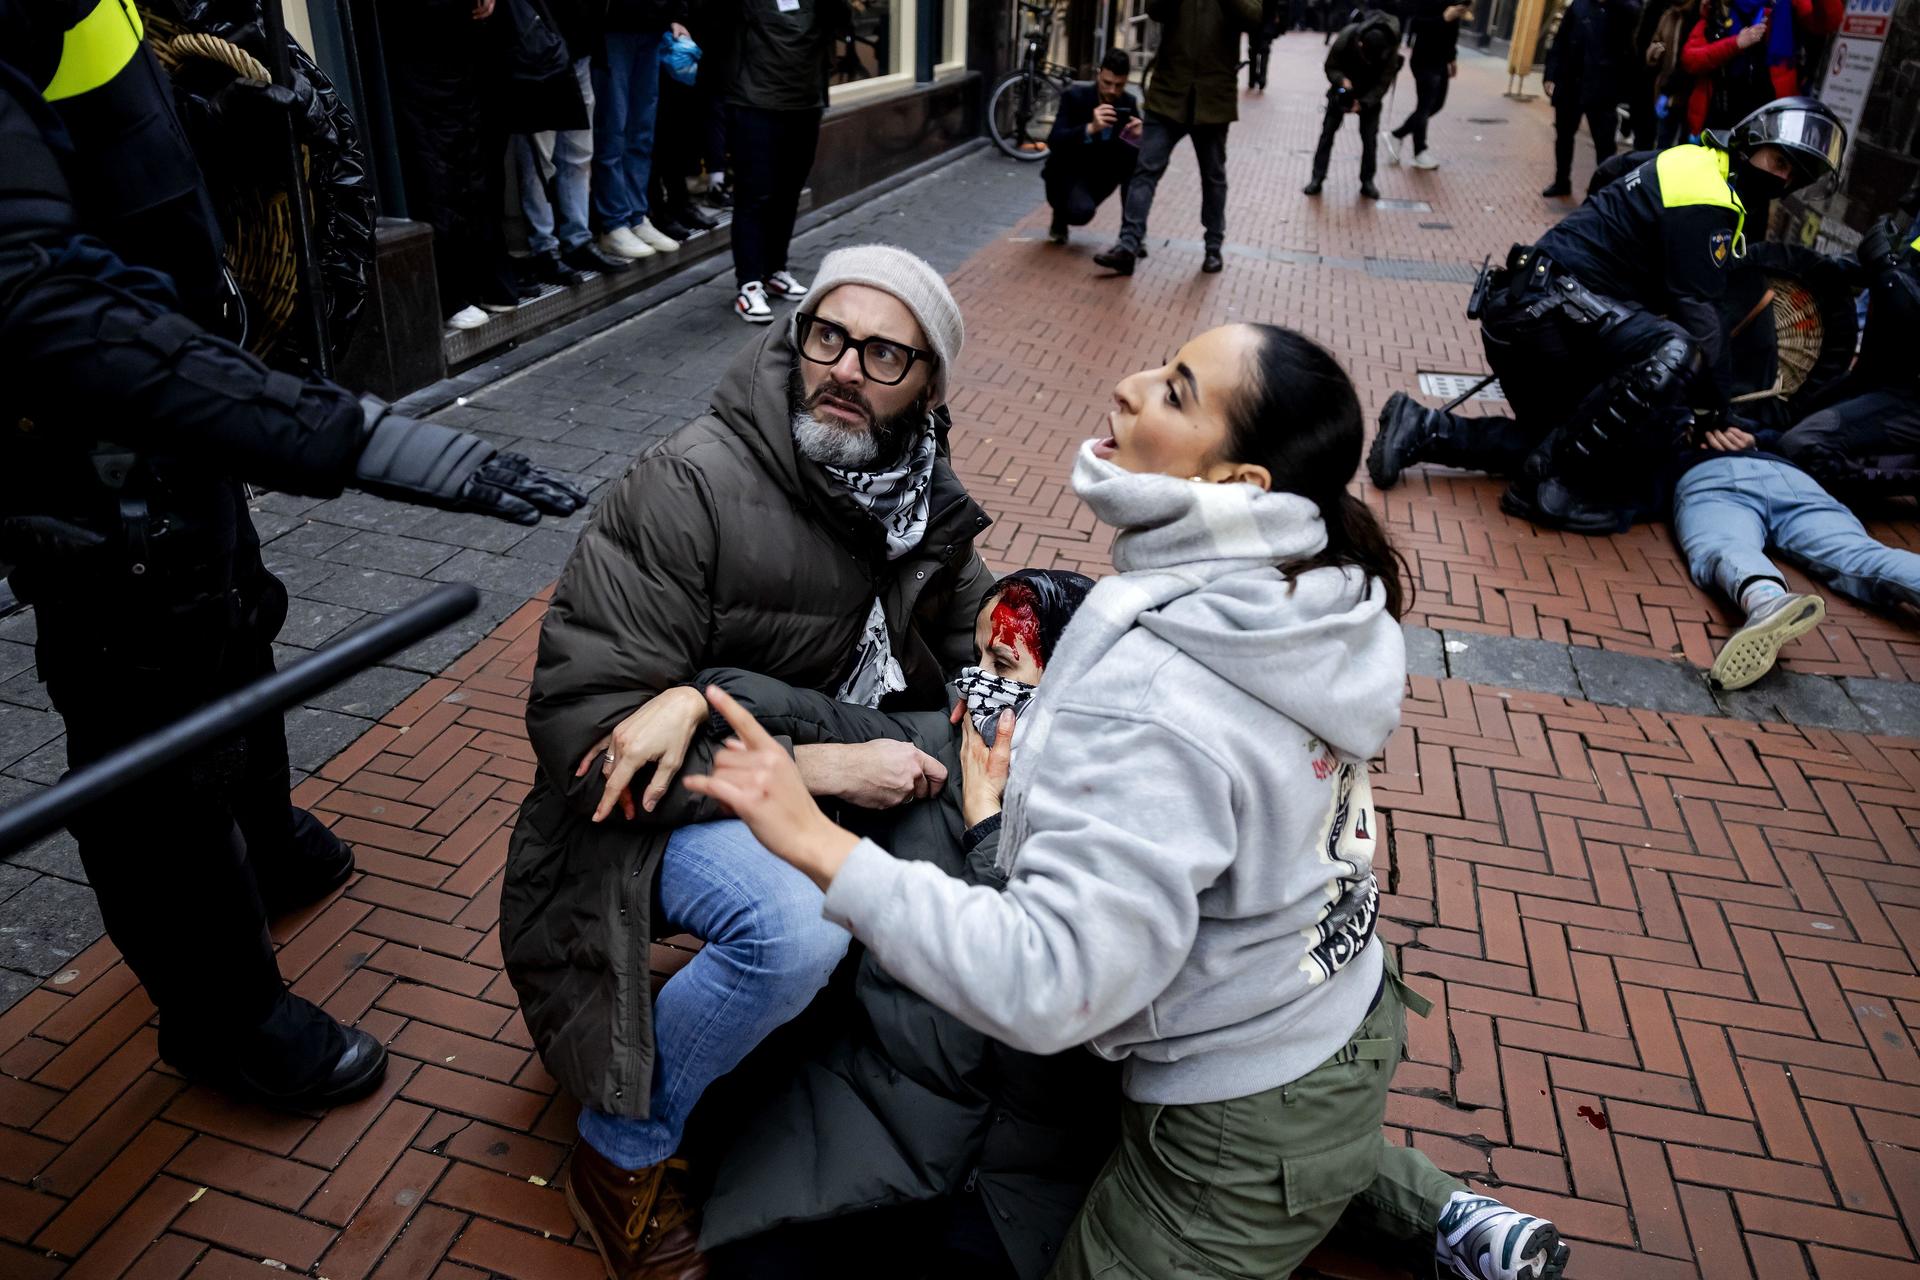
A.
pixel 1369 117
pixel 1078 183
pixel 1601 123
pixel 177 860
pixel 1860 440
pixel 1552 367
pixel 772 156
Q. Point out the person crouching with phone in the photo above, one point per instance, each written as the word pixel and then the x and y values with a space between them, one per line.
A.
pixel 1094 146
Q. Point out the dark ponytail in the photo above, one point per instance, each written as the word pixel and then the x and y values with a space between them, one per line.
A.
pixel 1300 419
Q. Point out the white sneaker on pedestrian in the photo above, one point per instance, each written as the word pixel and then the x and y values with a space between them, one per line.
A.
pixel 1424 160
pixel 1393 149
pixel 467 318
pixel 659 241
pixel 1481 1239
pixel 1749 653
pixel 785 286
pixel 622 243
pixel 751 305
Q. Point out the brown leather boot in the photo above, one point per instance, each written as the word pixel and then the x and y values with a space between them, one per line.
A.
pixel 641 1221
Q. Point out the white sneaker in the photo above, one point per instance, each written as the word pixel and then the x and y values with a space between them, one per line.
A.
pixel 659 241
pixel 467 318
pixel 751 305
pixel 1749 653
pixel 1481 1239
pixel 785 286
pixel 1424 160
pixel 622 243
pixel 1393 149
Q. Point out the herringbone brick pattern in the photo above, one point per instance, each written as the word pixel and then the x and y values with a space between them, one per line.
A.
pixel 1673 962
pixel 1048 336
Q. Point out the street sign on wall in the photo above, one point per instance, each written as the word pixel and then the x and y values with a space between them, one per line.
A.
pixel 1856 54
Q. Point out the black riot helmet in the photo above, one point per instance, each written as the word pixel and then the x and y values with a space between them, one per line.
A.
pixel 1810 135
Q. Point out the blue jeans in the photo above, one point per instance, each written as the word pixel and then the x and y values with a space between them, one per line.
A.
pixel 626 98
pixel 554 169
pixel 1728 511
pixel 767 954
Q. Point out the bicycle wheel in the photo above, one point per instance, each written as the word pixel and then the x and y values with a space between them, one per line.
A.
pixel 1020 114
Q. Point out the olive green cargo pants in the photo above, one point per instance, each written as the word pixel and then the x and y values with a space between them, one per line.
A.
pixel 1247 1187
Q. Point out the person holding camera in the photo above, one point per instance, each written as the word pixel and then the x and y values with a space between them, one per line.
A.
pixel 1361 65
pixel 1094 146
pixel 1436 44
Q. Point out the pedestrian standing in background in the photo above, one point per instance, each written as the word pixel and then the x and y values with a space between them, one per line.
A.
pixel 1670 81
pixel 626 102
pixel 1743 54
pixel 1361 66
pixel 1586 78
pixel 1195 93
pixel 555 169
pixel 1435 60
pixel 782 56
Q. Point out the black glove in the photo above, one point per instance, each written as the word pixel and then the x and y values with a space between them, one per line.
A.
pixel 1879 247
pixel 508 485
pixel 249 118
pixel 446 467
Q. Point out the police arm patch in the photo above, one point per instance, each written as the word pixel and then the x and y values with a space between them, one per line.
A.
pixel 1720 245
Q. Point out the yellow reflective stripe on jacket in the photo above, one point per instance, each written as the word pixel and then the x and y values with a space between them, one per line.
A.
pixel 97 48
pixel 1698 175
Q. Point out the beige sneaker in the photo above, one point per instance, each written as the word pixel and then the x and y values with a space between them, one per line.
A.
pixel 622 243
pixel 1749 653
pixel 659 241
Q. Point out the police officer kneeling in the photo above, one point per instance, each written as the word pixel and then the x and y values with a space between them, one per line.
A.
pixel 1606 334
pixel 125 428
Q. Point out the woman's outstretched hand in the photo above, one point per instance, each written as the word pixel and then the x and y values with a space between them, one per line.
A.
pixel 756 779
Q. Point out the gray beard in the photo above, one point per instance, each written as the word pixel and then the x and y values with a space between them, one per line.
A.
pixel 831 446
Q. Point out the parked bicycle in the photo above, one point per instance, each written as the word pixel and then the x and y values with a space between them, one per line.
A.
pixel 1022 107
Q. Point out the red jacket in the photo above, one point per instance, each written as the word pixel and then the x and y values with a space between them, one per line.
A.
pixel 1702 57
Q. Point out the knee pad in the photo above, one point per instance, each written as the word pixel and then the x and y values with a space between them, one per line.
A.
pixel 1632 410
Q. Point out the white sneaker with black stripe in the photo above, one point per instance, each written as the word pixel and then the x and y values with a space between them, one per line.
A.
pixel 785 286
pixel 751 304
pixel 1481 1239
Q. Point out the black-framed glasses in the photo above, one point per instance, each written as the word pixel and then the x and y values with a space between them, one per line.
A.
pixel 883 360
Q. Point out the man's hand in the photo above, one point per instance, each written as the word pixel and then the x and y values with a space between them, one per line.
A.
pixel 761 785
pixel 1655 51
pixel 1453 69
pixel 1136 129
pixel 1728 440
pixel 983 769
pixel 658 734
pixel 1457 12
pixel 880 774
pixel 482 10
pixel 1752 36
pixel 679 31
pixel 1104 118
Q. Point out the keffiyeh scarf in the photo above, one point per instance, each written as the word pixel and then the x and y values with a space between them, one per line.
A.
pixel 988 695
pixel 898 498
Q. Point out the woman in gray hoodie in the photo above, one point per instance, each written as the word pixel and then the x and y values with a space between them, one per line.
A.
pixel 1189 836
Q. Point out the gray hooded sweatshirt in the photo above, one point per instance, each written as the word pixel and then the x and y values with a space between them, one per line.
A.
pixel 1188 826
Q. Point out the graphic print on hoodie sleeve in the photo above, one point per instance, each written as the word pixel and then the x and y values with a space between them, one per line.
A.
pixel 1346 848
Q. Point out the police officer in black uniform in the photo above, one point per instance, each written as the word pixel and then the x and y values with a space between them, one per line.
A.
pixel 125 428
pixel 1861 437
pixel 1606 332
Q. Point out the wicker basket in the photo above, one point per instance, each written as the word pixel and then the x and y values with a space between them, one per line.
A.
pixel 260 244
pixel 1799 331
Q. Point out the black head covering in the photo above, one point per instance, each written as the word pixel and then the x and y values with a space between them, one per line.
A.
pixel 1056 593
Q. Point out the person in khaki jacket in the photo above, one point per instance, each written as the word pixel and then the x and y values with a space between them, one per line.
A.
pixel 1194 92
pixel 808 528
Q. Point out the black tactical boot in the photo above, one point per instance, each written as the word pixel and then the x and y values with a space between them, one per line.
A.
pixel 1406 428
pixel 1551 505
pixel 297 1058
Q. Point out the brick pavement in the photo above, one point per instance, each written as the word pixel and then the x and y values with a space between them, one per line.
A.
pixel 1674 956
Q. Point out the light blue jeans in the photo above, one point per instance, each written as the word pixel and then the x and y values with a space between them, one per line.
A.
pixel 560 164
pixel 626 99
pixel 1728 511
pixel 767 954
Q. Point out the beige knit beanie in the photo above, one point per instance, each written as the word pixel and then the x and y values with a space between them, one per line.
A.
pixel 907 277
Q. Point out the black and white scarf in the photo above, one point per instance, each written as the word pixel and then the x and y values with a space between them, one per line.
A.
pixel 898 498
pixel 988 695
